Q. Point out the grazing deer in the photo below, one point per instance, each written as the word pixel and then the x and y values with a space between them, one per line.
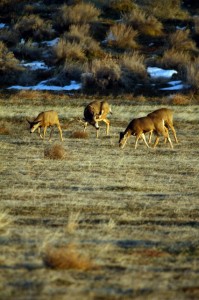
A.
pixel 45 119
pixel 140 126
pixel 95 112
pixel 167 115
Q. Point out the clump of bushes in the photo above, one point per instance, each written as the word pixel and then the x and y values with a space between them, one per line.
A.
pixel 174 59
pixel 122 36
pixel 133 69
pixel 9 65
pixel 192 74
pixel 81 13
pixel 68 51
pixel 116 7
pixel 102 74
pixel 143 23
pixel 180 41
pixel 34 26
pixel 171 9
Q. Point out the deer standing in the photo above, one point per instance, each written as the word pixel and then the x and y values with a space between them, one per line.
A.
pixel 138 127
pixel 95 112
pixel 45 119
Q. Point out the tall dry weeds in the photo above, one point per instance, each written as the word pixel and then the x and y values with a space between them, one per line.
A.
pixel 81 13
pixel 122 36
pixel 180 40
pixel 143 23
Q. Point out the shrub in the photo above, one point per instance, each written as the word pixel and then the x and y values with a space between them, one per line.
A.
pixel 116 7
pixel 145 24
pixel 67 257
pixel 102 74
pixel 180 99
pixel 133 69
pixel 79 135
pixel 28 50
pixel 55 152
pixel 81 13
pixel 69 51
pixel 80 35
pixel 9 66
pixel 122 36
pixel 174 59
pixel 192 74
pixel 34 26
pixel 171 9
pixel 180 41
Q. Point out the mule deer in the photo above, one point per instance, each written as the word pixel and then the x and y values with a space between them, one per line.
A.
pixel 45 119
pixel 167 115
pixel 140 126
pixel 95 112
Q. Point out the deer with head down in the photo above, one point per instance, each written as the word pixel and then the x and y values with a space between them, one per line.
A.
pixel 45 119
pixel 167 115
pixel 138 127
pixel 96 112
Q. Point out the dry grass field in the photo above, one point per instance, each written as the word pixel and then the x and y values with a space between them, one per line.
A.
pixel 95 221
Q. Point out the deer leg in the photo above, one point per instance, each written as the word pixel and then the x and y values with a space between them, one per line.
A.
pixel 85 125
pixel 167 133
pixel 136 140
pixel 51 132
pixel 156 141
pixel 45 128
pixel 39 132
pixel 107 125
pixel 60 132
pixel 150 136
pixel 166 136
pixel 174 133
pixel 144 139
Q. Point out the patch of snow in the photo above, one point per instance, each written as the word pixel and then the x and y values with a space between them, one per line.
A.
pixel 51 43
pixel 181 28
pixel 35 65
pixel 158 72
pixel 175 85
pixel 111 37
pixel 2 25
pixel 42 86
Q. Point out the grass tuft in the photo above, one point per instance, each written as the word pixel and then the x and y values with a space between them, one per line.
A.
pixel 55 152
pixel 67 257
pixel 80 135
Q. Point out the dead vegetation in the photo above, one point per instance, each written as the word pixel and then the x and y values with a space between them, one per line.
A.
pixel 56 151
pixel 67 257
pixel 105 221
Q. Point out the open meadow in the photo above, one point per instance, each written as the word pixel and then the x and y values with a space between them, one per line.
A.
pixel 99 222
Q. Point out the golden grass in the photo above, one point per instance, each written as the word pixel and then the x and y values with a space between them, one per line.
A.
pixel 80 135
pixel 115 218
pixel 122 36
pixel 67 257
pixel 180 99
pixel 81 13
pixel 56 151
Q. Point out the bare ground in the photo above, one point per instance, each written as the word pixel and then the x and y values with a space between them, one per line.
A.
pixel 133 214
